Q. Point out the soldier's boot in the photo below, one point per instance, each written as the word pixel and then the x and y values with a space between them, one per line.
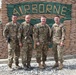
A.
pixel 41 66
pixel 24 66
pixel 55 65
pixel 28 65
pixel 60 66
pixel 44 65
pixel 17 66
pixel 10 61
pixel 10 66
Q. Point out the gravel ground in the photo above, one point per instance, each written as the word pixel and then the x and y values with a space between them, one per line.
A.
pixel 69 69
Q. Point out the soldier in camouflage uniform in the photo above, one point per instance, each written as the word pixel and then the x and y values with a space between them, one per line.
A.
pixel 10 33
pixel 58 36
pixel 41 35
pixel 25 41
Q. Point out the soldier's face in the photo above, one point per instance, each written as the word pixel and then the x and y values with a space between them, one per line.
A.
pixel 43 20
pixel 57 20
pixel 14 18
pixel 27 18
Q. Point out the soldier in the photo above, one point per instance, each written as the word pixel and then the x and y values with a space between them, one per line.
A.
pixel 41 36
pixel 10 33
pixel 58 36
pixel 25 41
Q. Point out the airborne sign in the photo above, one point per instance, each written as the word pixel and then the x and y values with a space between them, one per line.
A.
pixel 40 8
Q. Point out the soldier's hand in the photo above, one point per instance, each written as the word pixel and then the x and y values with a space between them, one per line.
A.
pixel 20 44
pixel 61 44
pixel 38 43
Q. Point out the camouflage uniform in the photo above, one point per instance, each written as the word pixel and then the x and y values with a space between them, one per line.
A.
pixel 41 35
pixel 58 35
pixel 10 33
pixel 25 37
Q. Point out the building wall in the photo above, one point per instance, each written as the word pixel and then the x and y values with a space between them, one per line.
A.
pixel 2 46
pixel 0 15
pixel 70 25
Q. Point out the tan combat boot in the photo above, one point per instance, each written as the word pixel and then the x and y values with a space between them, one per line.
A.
pixel 60 66
pixel 17 66
pixel 10 66
pixel 44 65
pixel 41 66
pixel 55 65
